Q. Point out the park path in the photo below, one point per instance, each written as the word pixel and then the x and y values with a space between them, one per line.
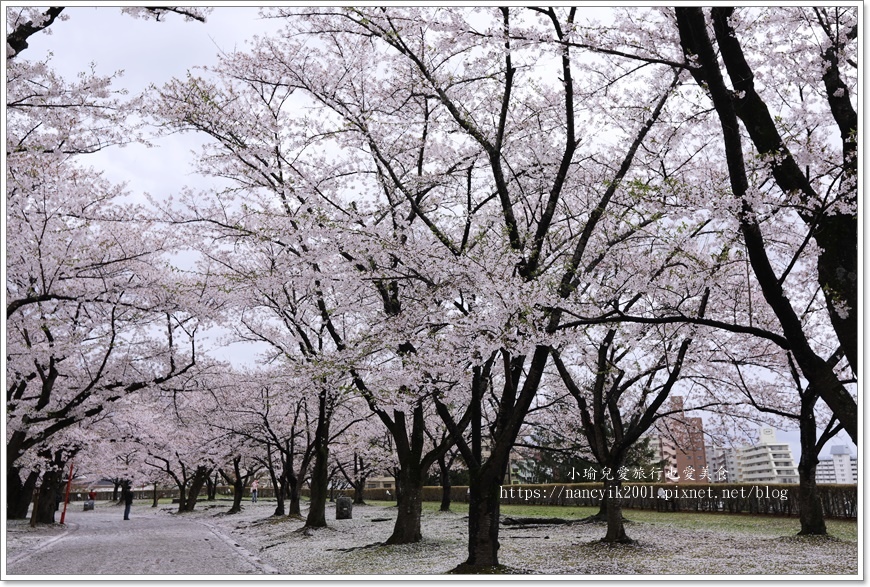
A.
pixel 152 542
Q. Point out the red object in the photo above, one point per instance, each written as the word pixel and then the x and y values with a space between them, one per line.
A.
pixel 66 498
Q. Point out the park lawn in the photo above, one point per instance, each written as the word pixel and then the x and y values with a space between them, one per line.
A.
pixel 741 523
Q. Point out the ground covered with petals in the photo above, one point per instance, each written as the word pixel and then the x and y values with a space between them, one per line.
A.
pixel 665 543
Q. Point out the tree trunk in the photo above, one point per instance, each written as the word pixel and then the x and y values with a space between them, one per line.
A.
pixel 811 512
pixel 238 494
pixel 485 478
pixel 182 495
pixel 47 503
pixel 210 488
pixel 199 479
pixel 238 484
pixel 615 526
pixel 397 485
pixel 276 484
pixel 295 507
pixel 116 484
pixel 358 497
pixel 360 474
pixel 280 494
pixel 19 495
pixel 155 497
pixel 294 486
pixel 483 519
pixel 603 508
pixel 809 501
pixel 445 485
pixel 319 490
pixel 410 506
pixel 320 474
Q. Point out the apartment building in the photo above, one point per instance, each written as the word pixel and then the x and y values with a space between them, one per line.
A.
pixel 680 446
pixel 723 464
pixel 840 467
pixel 768 461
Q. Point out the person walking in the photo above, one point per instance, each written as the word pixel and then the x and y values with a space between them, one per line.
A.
pixel 255 486
pixel 127 496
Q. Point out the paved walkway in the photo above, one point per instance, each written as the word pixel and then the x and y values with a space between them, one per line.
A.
pixel 152 542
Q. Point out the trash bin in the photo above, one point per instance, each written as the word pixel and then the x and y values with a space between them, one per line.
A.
pixel 89 505
pixel 343 508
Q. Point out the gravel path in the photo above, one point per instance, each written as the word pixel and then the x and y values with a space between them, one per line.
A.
pixel 152 542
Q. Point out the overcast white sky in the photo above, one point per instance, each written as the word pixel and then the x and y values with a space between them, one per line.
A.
pixel 152 52
pixel 149 52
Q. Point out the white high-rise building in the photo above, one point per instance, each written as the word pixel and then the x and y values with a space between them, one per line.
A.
pixel 840 468
pixel 765 462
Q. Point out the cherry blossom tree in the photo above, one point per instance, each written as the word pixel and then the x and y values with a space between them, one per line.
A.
pixel 769 381
pixel 238 476
pixel 620 397
pixel 445 174
pixel 174 433
pixel 821 193
pixel 359 454
pixel 91 314
pixel 309 310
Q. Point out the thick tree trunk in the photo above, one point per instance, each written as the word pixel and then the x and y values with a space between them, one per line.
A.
pixel 295 507
pixel 483 520
pixel 811 512
pixel 47 503
pixel 19 495
pixel 604 508
pixel 182 497
pixel 615 523
pixel 238 494
pixel 486 476
pixel 238 484
pixel 281 494
pixel 809 501
pixel 358 497
pixel 320 474
pixel 155 497
pixel 319 490
pixel 199 479
pixel 115 486
pixel 407 529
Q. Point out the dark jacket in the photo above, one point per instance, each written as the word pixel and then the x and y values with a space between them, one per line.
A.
pixel 127 496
